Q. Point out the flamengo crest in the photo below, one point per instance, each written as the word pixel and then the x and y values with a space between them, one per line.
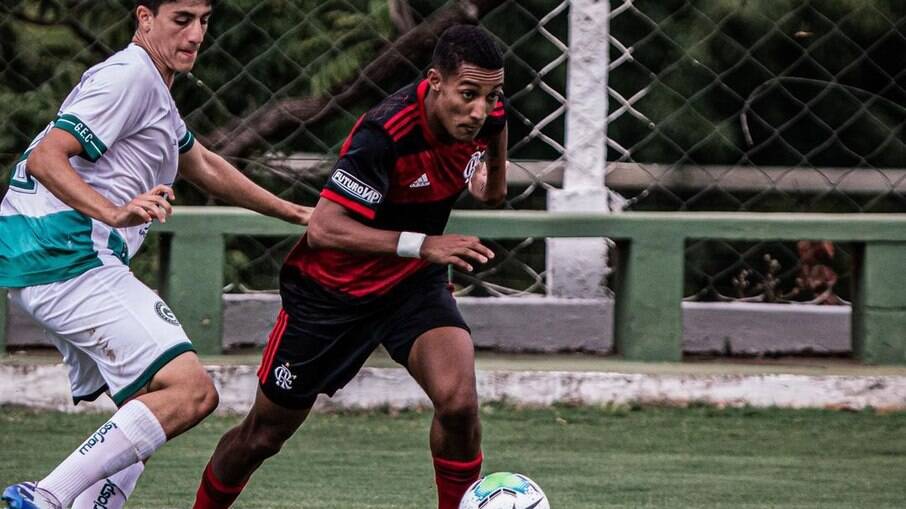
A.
pixel 472 165
pixel 283 377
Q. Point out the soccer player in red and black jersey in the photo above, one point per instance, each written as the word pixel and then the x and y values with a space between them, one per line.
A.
pixel 371 269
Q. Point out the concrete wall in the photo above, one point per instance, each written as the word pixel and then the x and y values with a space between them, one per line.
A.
pixel 542 324
pixel 757 329
pixel 44 386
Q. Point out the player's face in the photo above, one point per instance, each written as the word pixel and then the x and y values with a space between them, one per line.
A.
pixel 175 34
pixel 465 99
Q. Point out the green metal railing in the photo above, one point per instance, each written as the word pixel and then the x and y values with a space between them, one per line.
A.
pixel 649 272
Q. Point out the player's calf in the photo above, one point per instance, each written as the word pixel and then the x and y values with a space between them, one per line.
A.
pixel 456 443
pixel 111 492
pixel 442 362
pixel 456 447
pixel 181 394
pixel 131 435
pixel 244 448
pixel 260 443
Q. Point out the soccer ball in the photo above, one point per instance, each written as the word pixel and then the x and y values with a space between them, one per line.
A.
pixel 504 490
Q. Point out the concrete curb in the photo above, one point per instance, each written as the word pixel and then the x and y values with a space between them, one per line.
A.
pixel 547 324
pixel 46 387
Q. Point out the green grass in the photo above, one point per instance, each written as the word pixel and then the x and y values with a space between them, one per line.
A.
pixel 583 457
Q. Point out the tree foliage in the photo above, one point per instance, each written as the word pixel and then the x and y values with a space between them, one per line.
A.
pixel 821 81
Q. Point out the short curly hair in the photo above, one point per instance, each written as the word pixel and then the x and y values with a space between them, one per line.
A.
pixel 465 44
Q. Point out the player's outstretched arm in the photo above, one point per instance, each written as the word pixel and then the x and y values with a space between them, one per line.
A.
pixel 49 163
pixel 332 226
pixel 215 175
pixel 488 185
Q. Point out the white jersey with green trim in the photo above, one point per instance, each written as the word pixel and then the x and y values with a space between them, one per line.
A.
pixel 131 134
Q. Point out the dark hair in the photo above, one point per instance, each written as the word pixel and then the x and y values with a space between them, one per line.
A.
pixel 154 5
pixel 465 44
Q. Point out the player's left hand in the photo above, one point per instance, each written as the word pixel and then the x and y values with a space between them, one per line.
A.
pixel 144 208
pixel 299 214
pixel 455 249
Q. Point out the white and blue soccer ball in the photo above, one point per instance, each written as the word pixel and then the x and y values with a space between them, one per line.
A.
pixel 504 490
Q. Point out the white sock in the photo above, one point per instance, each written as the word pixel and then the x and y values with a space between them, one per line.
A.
pixel 111 492
pixel 130 436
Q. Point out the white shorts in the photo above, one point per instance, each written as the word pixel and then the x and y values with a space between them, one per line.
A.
pixel 114 332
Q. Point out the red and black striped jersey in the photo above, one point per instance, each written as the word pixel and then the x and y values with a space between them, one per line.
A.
pixel 393 174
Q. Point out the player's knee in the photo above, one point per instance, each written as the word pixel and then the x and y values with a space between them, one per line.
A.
pixel 202 398
pixel 265 443
pixel 209 400
pixel 263 436
pixel 457 409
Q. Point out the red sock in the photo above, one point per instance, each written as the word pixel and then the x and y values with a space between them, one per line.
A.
pixel 213 494
pixel 453 478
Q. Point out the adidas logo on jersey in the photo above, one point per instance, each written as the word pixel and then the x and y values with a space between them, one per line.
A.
pixel 421 182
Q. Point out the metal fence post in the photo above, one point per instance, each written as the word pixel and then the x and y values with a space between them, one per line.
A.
pixel 578 267
pixel 649 292
pixel 193 287
pixel 879 307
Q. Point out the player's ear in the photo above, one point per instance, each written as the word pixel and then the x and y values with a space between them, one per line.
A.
pixel 143 14
pixel 434 79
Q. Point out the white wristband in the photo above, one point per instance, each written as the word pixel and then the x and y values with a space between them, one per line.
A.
pixel 410 245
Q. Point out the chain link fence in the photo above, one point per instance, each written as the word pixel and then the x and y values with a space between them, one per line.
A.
pixel 780 106
pixel 729 105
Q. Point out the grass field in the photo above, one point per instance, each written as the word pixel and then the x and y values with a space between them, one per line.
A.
pixel 583 458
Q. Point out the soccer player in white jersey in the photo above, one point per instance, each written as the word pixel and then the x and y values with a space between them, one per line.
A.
pixel 80 202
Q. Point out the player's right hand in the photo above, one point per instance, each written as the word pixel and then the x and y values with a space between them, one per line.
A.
pixel 144 208
pixel 455 250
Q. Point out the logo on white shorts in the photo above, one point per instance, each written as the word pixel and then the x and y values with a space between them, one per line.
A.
pixel 283 377
pixel 165 314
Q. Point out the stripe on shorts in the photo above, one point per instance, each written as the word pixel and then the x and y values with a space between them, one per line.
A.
pixel 273 344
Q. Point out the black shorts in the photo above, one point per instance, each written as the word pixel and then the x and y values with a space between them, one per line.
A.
pixel 323 337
